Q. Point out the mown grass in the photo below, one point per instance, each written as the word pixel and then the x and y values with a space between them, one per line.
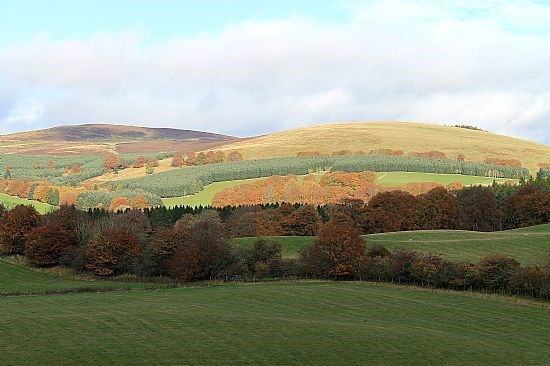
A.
pixel 15 278
pixel 527 245
pixel 309 323
pixel 11 201
pixel 204 197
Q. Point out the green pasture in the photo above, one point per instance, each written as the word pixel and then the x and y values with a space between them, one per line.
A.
pixel 11 201
pixel 15 277
pixel 297 323
pixel 528 245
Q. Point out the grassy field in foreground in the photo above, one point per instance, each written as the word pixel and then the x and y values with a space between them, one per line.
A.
pixel 527 245
pixel 309 323
pixel 204 197
pixel 16 278
pixel 10 201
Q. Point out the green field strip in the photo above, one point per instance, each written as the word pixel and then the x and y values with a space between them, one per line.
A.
pixel 311 323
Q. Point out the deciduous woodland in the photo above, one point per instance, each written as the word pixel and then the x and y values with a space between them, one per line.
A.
pixel 191 244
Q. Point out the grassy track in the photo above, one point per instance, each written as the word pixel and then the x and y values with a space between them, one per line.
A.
pixel 15 278
pixel 527 245
pixel 277 324
pixel 10 201
pixel 204 197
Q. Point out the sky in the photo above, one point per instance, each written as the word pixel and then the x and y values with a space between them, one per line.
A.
pixel 248 67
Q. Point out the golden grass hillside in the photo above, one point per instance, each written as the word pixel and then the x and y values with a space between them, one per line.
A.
pixel 407 136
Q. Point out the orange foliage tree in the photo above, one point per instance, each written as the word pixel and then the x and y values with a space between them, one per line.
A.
pixel 139 202
pixel 503 162
pixel 338 251
pixel 119 203
pixel 429 154
pixel 234 156
pixel 177 160
pixel 139 162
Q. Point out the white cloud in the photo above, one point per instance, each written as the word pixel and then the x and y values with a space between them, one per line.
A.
pixel 484 64
pixel 25 114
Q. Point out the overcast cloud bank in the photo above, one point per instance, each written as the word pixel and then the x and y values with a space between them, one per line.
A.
pixel 396 60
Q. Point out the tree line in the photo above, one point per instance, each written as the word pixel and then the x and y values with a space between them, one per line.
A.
pixel 197 248
pixel 477 208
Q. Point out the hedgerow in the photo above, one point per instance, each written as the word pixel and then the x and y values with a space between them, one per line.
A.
pixel 191 180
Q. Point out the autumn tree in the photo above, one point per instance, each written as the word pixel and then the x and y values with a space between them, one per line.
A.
pixel 477 209
pixel 46 244
pixel 390 211
pixel 337 251
pixel 303 221
pixel 75 169
pixel 234 156
pixel 139 202
pixel 14 227
pixel 436 209
pixel 163 244
pixel 203 253
pixel 67 215
pixel 200 158
pixel 149 168
pixel 177 160
pixel 112 252
pixel 139 162
pixel 527 207
pixel 110 162
pixel 119 203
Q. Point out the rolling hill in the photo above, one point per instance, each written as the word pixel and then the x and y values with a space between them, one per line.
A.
pixel 326 138
pixel 407 136
pixel 90 138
